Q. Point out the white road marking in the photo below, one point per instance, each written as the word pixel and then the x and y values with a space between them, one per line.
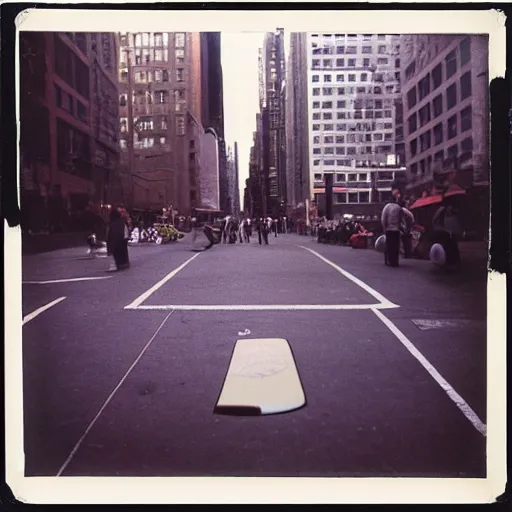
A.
pixel 73 280
pixel 108 400
pixel 139 300
pixel 40 310
pixel 245 332
pixel 426 325
pixel 361 284
pixel 454 396
pixel 260 307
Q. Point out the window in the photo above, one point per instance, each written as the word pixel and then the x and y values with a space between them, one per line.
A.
pixel 316 116
pixel 145 39
pixel 340 178
pixel 367 49
pixel 327 78
pixel 465 51
pixel 327 91
pixel 351 78
pixel 318 177
pixel 451 64
pixel 377 136
pixel 340 150
pixel 180 75
pixel 451 96
pixel 316 91
pixel 159 40
pixel 352 177
pixel 328 139
pixel 382 62
pixel 388 114
pixel 316 78
pixel 316 163
pixel 329 162
pixel 465 119
pixel 328 127
pixel 412 122
pixel 465 85
pixel 424 114
pixel 316 127
pixel 316 104
pixel 452 152
pixel 340 139
pixel 340 63
pixel 437 105
pixel 329 151
pixel 340 78
pixel 414 169
pixel 437 76
pixel 161 97
pixel 351 49
pixel 366 63
pixel 352 197
pixel 341 91
pixel 466 145
pixel 378 90
pixel 81 111
pixel 414 147
pixel 165 75
pixel 424 141
pixel 326 104
pixel 351 150
pixel 138 40
pixel 438 134
pixel 341 198
pixel 424 87
pixel 179 40
pixel 364 77
pixel 411 97
pixel 316 63
pixel 382 49
pixel 327 63
pixel 341 104
pixel 327 116
pixel 364 197
pixel 340 50
pixel 452 127
pixel 317 151
pixel 351 63
pixel 397 63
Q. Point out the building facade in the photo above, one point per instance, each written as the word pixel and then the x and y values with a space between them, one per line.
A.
pixel 209 192
pixel 233 200
pixel 272 105
pixel 296 114
pixel 68 116
pixel 354 97
pixel 446 108
pixel 161 72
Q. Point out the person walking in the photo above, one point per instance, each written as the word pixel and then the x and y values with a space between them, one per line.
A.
pixel 117 244
pixel 391 219
pixel 407 225
pixel 447 229
pixel 247 230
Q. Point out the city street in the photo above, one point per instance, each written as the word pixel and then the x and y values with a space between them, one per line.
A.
pixel 121 377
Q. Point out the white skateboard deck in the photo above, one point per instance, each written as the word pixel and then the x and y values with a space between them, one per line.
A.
pixel 262 379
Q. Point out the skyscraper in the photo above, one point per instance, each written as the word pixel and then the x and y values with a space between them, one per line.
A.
pixel 272 103
pixel 354 99
pixel 297 142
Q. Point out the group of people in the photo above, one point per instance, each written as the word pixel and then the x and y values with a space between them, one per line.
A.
pixel 241 229
pixel 398 222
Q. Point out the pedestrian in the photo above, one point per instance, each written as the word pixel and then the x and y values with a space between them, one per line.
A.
pixel 117 240
pixel 447 229
pixel 391 219
pixel 275 222
pixel 247 230
pixel 407 225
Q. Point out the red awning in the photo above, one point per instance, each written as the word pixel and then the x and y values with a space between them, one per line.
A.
pixel 426 201
pixel 453 190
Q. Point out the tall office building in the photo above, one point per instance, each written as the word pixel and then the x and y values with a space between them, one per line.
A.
pixel 446 91
pixel 272 105
pixel 212 106
pixel 297 143
pixel 68 117
pixel 162 72
pixel 354 114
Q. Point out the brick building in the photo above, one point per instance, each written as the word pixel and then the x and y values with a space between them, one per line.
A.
pixel 68 117
pixel 446 110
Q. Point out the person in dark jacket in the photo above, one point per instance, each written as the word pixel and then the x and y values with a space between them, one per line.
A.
pixel 116 240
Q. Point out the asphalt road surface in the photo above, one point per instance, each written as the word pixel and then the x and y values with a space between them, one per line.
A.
pixel 392 362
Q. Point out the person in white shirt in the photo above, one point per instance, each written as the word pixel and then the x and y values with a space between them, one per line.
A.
pixel 391 219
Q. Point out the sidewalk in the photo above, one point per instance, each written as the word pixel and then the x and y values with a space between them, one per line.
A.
pixel 36 244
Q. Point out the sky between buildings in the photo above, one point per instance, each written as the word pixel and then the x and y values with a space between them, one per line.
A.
pixel 241 95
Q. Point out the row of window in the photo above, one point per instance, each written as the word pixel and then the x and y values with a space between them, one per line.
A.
pixel 70 68
pixel 451 64
pixel 158 76
pixel 351 151
pixel 156 97
pixel 151 39
pixel 349 37
pixel 73 106
pixel 352 63
pixel 423 116
pixel 350 137
pixel 367 103
pixel 350 50
pixel 424 166
pixel 353 139
pixel 341 91
pixel 353 77
pixel 356 114
pixel 431 81
pixel 353 177
pixel 453 128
